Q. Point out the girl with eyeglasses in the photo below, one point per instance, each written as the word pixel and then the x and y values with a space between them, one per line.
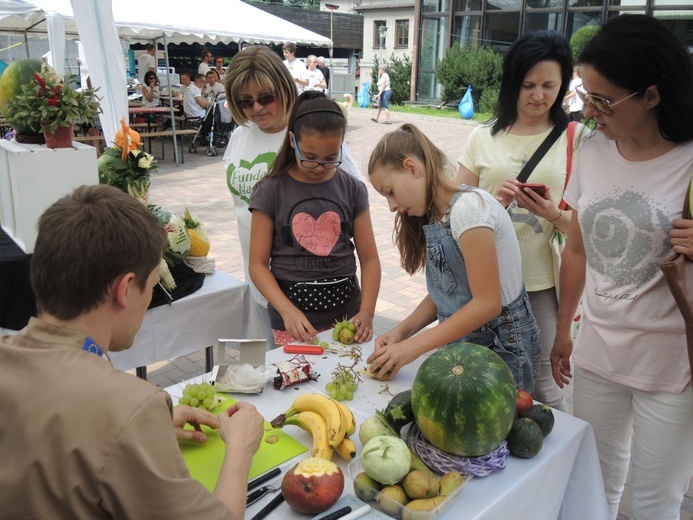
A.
pixel 536 74
pixel 629 361
pixel 260 92
pixel 309 217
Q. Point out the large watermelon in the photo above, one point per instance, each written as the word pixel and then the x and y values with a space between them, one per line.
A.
pixel 18 74
pixel 463 398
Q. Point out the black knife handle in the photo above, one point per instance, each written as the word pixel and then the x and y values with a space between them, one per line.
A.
pixel 269 507
pixel 256 495
pixel 264 478
pixel 339 513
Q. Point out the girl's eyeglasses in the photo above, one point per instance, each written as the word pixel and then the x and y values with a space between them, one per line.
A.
pixel 603 105
pixel 264 100
pixel 312 165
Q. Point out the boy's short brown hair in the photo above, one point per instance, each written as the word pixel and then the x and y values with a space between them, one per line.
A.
pixel 85 241
pixel 291 47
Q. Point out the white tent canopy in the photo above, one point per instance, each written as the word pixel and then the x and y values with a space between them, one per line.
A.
pixel 223 22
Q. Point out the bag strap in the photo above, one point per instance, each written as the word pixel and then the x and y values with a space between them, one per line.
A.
pixel 688 203
pixel 540 153
pixel 569 160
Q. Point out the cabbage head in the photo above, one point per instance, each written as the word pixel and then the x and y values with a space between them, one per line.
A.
pixel 386 459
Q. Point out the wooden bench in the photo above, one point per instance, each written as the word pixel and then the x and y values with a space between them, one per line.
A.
pixel 169 133
pixel 88 138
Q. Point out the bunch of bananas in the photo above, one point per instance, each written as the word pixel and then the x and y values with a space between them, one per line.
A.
pixel 330 423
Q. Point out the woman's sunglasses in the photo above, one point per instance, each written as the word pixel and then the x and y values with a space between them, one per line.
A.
pixel 602 105
pixel 264 100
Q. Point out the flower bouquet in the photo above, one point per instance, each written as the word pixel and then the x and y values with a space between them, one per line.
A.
pixel 50 105
pixel 125 166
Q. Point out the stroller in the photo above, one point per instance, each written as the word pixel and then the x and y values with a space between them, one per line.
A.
pixel 215 127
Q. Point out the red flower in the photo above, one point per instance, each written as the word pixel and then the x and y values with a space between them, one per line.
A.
pixel 54 101
pixel 39 79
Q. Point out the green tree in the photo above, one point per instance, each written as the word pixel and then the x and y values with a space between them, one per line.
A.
pixel 580 38
pixel 399 70
pixel 461 66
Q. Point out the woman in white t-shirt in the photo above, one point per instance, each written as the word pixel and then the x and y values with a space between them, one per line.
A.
pixel 313 78
pixel 574 98
pixel 150 90
pixel 383 95
pixel 536 75
pixel 631 369
pixel 261 93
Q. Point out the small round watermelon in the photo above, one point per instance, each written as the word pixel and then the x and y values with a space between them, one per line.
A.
pixel 15 76
pixel 463 398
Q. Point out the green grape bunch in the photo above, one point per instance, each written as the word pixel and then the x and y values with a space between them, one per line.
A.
pixel 345 380
pixel 200 395
pixel 344 332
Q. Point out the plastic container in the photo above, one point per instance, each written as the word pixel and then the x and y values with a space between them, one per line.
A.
pixel 396 510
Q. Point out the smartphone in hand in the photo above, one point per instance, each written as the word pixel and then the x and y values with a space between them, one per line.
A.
pixel 540 189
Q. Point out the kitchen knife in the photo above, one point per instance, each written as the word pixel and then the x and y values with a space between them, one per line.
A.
pixel 269 507
pixel 263 478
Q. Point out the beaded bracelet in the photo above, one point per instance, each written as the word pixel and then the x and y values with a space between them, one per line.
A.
pixel 560 214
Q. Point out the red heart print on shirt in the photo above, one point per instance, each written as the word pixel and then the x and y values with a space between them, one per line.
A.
pixel 317 235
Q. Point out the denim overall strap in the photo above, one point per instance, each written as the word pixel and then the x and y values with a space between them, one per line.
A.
pixel 514 334
pixel 446 274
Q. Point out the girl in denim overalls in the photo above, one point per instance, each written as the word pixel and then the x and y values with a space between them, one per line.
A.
pixel 466 241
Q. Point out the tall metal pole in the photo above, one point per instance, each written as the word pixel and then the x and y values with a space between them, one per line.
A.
pixel 332 8
pixel 329 87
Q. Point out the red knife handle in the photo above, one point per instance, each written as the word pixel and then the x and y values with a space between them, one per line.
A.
pixel 303 349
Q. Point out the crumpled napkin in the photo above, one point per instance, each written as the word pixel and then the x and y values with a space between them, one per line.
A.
pixel 245 378
pixel 201 264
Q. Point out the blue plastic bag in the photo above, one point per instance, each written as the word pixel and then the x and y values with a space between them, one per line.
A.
pixel 365 95
pixel 466 106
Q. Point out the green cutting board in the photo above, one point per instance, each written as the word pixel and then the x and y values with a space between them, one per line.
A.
pixel 204 460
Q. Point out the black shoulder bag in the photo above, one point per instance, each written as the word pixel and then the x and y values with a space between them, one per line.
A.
pixel 540 153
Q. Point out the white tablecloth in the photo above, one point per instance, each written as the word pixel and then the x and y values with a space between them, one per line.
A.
pixel 563 481
pixel 222 308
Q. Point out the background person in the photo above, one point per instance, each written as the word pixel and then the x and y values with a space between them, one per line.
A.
pixel 296 67
pixel 536 75
pixel 312 79
pixel 185 81
pixel 383 95
pixel 260 92
pixel 213 87
pixel 106 446
pixel 573 98
pixel 150 90
pixel 206 64
pixel 146 62
pixel 465 241
pixel 325 71
pixel 632 376
pixel 219 67
pixel 305 185
pixel 194 101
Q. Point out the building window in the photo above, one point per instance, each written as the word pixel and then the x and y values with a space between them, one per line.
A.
pixel 401 33
pixel 377 24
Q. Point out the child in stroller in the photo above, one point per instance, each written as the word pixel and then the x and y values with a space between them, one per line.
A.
pixel 215 127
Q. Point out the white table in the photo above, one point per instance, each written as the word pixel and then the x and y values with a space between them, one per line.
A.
pixel 222 308
pixel 563 481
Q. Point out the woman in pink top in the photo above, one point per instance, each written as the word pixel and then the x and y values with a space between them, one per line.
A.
pixel 632 377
